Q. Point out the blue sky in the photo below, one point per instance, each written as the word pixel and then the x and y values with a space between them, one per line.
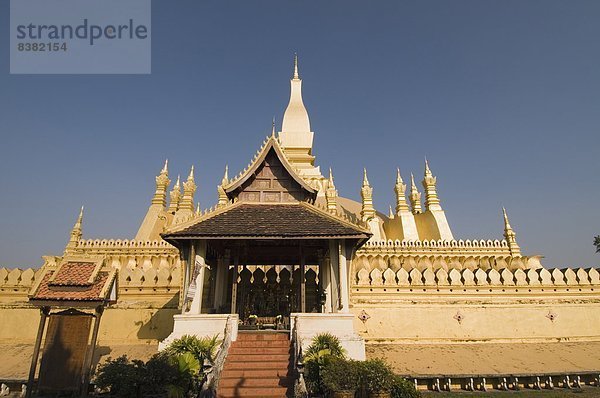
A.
pixel 503 97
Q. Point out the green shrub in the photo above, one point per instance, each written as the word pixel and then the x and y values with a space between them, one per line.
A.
pixel 176 371
pixel 122 377
pixel 324 347
pixel 188 355
pixel 402 388
pixel 160 372
pixel 339 374
pixel 201 348
pixel 376 375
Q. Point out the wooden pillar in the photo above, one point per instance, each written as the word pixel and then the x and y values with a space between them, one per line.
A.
pixel 302 281
pixel 325 282
pixel 344 290
pixel 236 260
pixel 89 356
pixel 221 280
pixel 44 311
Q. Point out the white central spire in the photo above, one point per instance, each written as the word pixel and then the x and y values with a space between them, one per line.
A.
pixel 295 130
pixel 296 138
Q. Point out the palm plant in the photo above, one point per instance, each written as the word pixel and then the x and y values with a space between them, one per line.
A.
pixel 203 348
pixel 189 354
pixel 324 344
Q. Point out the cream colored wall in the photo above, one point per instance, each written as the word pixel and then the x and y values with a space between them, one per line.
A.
pixel 135 325
pixel 486 323
pixel 483 306
pixel 18 324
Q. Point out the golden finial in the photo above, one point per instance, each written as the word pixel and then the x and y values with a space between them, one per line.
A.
pixel 506 222
pixel 296 74
pixel 165 168
pixel 415 196
pixel 79 221
pixel 365 179
pixel 427 170
pixel 225 179
pixel 273 127
pixel 398 176
pixel 510 235
pixel 191 176
pixel 75 232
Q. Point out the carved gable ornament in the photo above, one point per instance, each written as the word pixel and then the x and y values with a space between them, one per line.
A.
pixel 270 179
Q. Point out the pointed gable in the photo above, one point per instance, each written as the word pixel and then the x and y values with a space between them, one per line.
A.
pixel 270 179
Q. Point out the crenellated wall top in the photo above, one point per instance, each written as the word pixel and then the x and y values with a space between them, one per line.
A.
pixel 437 247
pixel 463 278
pixel 124 247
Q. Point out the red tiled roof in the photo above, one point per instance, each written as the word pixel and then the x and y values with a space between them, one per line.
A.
pixel 71 283
pixel 74 274
pixel 270 220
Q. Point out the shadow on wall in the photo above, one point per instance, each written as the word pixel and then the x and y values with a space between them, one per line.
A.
pixel 158 327
pixel 65 348
pixel 160 324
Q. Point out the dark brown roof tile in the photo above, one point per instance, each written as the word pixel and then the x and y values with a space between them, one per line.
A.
pixel 270 220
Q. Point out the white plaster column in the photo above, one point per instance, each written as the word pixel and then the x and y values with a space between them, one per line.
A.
pixel 200 262
pixel 187 276
pixel 344 291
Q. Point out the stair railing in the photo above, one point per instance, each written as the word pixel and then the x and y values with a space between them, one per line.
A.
pixel 212 379
pixel 300 390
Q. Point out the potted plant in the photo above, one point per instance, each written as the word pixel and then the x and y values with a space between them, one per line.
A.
pixel 340 376
pixel 377 378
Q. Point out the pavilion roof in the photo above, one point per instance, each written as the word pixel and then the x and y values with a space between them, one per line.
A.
pixel 272 220
pixel 81 281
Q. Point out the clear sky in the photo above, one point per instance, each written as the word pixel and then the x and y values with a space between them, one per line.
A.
pixel 503 97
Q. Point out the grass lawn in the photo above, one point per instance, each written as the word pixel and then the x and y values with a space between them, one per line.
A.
pixel 587 392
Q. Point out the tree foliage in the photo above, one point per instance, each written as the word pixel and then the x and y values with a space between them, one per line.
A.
pixel 597 243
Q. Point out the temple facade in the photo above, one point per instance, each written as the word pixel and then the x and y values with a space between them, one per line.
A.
pixel 282 246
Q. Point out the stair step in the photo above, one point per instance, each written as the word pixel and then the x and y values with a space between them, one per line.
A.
pixel 255 383
pixel 262 336
pixel 255 373
pixel 258 357
pixel 262 343
pixel 252 392
pixel 259 350
pixel 257 365
pixel 282 364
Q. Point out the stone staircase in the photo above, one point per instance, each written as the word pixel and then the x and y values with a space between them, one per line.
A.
pixel 258 365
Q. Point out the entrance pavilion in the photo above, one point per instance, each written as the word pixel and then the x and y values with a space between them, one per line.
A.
pixel 267 251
